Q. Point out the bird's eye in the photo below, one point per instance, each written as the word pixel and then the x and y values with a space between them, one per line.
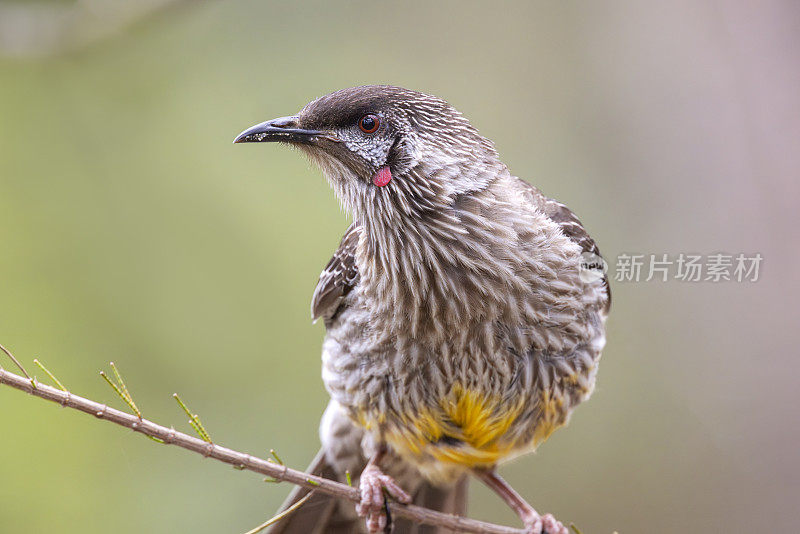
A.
pixel 369 124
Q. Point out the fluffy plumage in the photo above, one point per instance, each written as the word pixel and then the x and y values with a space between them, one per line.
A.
pixel 459 331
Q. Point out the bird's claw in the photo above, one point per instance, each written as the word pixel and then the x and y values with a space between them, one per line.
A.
pixel 544 524
pixel 372 483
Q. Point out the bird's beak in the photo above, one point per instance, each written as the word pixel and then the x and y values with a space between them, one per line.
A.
pixel 281 129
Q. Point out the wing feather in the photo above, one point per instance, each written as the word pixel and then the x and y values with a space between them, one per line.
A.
pixel 338 278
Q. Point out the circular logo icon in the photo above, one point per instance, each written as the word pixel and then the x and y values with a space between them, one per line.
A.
pixel 592 267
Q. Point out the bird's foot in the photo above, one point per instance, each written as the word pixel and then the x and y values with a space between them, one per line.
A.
pixel 372 483
pixel 543 524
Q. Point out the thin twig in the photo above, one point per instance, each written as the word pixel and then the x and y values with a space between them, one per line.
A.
pixel 51 375
pixel 16 362
pixel 416 514
pixel 281 515
pixel 125 398
pixel 194 420
pixel 124 389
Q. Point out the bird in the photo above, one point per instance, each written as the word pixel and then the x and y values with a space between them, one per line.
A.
pixel 464 310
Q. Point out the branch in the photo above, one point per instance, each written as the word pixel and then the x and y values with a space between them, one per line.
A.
pixel 243 461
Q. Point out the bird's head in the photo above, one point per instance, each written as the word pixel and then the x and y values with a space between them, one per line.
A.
pixel 385 146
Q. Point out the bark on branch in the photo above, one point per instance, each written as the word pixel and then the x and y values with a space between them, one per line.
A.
pixel 241 460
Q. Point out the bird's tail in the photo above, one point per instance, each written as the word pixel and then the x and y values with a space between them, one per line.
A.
pixel 323 514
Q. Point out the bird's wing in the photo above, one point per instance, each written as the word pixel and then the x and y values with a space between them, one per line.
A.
pixel 570 225
pixel 338 278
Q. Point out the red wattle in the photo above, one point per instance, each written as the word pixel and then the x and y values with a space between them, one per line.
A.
pixel 382 177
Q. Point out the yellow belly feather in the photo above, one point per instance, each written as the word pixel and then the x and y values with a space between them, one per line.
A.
pixel 468 428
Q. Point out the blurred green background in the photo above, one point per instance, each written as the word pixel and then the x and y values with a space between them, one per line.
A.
pixel 133 230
